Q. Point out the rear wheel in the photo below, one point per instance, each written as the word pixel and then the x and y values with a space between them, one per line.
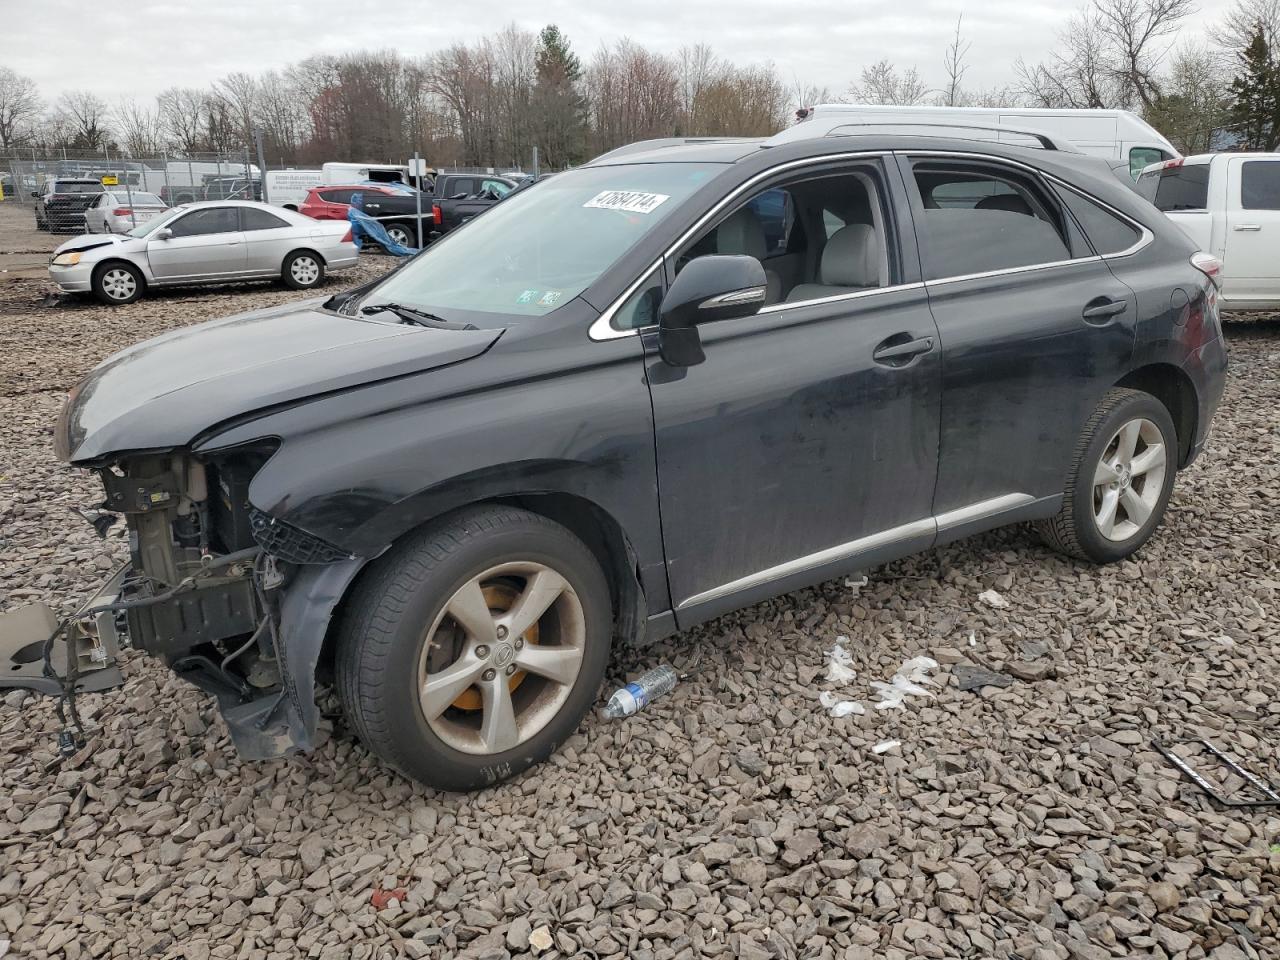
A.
pixel 472 650
pixel 400 234
pixel 302 270
pixel 1120 481
pixel 116 284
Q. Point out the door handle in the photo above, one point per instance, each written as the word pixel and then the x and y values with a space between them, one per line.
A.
pixel 232 242
pixel 1103 308
pixel 1247 227
pixel 896 354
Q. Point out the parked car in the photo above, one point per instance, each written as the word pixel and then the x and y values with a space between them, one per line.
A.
pixel 613 408
pixel 234 187
pixel 204 243
pixel 462 198
pixel 121 211
pixel 1229 205
pixel 1123 139
pixel 394 205
pixel 62 201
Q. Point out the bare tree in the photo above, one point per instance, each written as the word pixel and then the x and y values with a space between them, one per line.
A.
pixel 1242 20
pixel 19 107
pixel 954 66
pixel 239 91
pixel 882 83
pixel 1196 98
pixel 86 115
pixel 182 113
pixel 1138 33
pixel 140 127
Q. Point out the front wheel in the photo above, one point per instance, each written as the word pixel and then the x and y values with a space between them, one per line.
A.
pixel 116 284
pixel 302 270
pixel 1120 481
pixel 474 648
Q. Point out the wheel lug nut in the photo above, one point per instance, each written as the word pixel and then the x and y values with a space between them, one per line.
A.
pixel 519 643
pixel 482 651
pixel 511 669
pixel 488 675
pixel 502 632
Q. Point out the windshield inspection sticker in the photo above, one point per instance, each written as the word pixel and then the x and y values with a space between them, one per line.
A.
pixel 527 297
pixel 549 298
pixel 630 201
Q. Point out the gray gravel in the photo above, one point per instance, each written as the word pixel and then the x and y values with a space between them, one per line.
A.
pixel 734 818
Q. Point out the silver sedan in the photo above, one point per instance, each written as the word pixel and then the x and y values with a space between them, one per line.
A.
pixel 205 243
pixel 120 211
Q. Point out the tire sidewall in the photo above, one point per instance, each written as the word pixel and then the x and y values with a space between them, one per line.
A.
pixel 286 273
pixel 1098 547
pixel 419 753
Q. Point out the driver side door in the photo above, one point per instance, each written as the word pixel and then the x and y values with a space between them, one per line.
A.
pixel 206 243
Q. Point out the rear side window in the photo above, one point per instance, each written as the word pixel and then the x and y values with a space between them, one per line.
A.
pixel 979 219
pixel 1107 232
pixel 254 219
pixel 203 222
pixel 1260 185
pixel 337 196
pixel 1181 187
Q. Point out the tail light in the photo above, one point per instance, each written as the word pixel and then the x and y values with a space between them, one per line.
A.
pixel 436 214
pixel 1209 265
pixel 121 212
pixel 347 237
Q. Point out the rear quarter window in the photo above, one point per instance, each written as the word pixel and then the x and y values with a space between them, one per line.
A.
pixel 1107 232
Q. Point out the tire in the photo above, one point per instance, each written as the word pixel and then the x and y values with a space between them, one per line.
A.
pixel 402 234
pixel 1120 480
pixel 116 283
pixel 41 225
pixel 302 270
pixel 497 557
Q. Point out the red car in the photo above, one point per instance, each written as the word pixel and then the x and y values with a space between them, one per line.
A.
pixel 332 203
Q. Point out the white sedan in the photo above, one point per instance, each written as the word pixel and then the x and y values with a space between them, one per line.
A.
pixel 205 243
pixel 121 211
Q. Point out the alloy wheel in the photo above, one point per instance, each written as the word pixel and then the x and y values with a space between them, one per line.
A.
pixel 400 235
pixel 501 658
pixel 1129 479
pixel 305 270
pixel 119 284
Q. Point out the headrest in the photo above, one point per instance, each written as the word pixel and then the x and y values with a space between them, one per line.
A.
pixel 851 257
pixel 742 233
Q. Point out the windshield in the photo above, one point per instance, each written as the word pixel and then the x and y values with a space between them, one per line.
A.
pixel 154 224
pixel 63 186
pixel 541 248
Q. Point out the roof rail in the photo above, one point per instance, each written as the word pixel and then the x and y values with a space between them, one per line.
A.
pixel 838 126
pixel 643 146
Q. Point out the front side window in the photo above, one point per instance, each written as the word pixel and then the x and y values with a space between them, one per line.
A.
pixel 1260 185
pixel 200 223
pixel 539 249
pixel 981 218
pixel 1141 157
pixel 816 236
pixel 1177 187
pixel 252 218
pixel 641 308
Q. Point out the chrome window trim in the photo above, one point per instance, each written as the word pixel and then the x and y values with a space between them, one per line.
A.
pixel 602 327
pixel 838 297
pixel 1006 271
pixel 932 525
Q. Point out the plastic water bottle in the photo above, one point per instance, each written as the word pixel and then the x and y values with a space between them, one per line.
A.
pixel 638 694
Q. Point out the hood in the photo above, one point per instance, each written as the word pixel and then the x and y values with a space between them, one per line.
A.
pixel 101 241
pixel 165 392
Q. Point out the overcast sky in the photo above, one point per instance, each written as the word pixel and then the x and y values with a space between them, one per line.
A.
pixel 139 49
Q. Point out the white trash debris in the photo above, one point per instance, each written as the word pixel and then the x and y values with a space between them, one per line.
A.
pixel 840 663
pixel 908 681
pixel 993 599
pixel 973 639
pixel 858 584
pixel 885 745
pixel 840 708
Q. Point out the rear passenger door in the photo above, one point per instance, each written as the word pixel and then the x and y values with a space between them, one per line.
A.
pixel 1251 264
pixel 1034 328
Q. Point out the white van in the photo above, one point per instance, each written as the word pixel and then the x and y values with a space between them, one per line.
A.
pixel 289 188
pixel 348 174
pixel 1229 204
pixel 1123 139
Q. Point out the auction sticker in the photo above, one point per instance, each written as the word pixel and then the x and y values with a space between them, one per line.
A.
pixel 630 201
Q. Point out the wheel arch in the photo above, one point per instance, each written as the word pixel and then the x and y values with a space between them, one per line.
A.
pixel 1175 390
pixel 102 265
pixel 296 250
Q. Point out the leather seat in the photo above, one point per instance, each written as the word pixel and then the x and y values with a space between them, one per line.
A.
pixel 850 262
pixel 743 234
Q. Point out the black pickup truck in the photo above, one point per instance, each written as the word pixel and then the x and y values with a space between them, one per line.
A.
pixel 61 203
pixel 461 197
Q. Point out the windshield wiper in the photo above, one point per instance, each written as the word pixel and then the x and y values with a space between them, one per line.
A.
pixel 417 317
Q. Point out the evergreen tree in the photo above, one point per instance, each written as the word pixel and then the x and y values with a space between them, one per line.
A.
pixel 559 108
pixel 1256 92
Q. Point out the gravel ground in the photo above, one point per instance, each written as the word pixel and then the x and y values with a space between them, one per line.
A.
pixel 736 817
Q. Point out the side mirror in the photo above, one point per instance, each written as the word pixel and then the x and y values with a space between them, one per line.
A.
pixel 709 288
pixel 164 233
pixel 37 194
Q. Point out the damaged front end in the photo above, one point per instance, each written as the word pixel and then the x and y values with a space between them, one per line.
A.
pixel 231 599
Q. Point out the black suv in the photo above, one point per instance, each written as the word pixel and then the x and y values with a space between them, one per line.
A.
pixel 685 377
pixel 61 203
